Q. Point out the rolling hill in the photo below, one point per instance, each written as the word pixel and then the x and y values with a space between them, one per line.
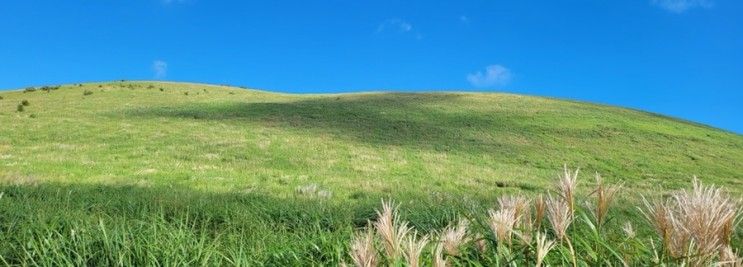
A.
pixel 223 138
pixel 130 155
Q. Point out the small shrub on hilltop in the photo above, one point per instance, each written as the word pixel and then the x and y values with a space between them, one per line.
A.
pixel 25 102
pixel 20 108
pixel 49 88
pixel 162 89
pixel 87 92
pixel 29 90
pixel 185 93
pixel 1 97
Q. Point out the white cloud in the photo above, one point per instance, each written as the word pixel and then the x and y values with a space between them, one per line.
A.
pixel 397 25
pixel 160 69
pixel 680 6
pixel 494 75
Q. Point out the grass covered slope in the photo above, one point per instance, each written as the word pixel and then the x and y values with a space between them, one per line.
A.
pixel 145 173
pixel 229 139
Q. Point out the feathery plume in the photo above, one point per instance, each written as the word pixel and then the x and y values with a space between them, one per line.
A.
pixel 694 224
pixel 413 248
pixel 501 223
pixel 566 185
pixel 543 247
pixel 728 257
pixel 559 216
pixel 629 230
pixel 453 237
pixel 390 229
pixel 539 210
pixel 604 196
pixel 438 256
pixel 362 251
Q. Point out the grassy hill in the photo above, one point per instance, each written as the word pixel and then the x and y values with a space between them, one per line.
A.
pixel 309 167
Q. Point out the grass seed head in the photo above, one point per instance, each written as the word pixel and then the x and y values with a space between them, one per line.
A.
pixel 502 222
pixel 543 247
pixel 559 216
pixel 454 236
pixel 362 251
pixel 604 197
pixel 390 229
pixel 413 248
pixel 566 185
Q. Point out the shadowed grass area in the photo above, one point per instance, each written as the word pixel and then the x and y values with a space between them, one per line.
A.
pixel 52 224
pixel 536 133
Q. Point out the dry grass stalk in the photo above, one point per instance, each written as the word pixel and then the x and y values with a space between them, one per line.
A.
pixel 501 223
pixel 413 248
pixel 543 247
pixel 559 216
pixel 539 210
pixel 694 224
pixel 519 204
pixel 522 214
pixel 454 236
pixel 566 185
pixel 728 257
pixel 438 256
pixel 629 230
pixel 391 230
pixel 604 196
pixel 707 214
pixel 362 251
pixel 481 243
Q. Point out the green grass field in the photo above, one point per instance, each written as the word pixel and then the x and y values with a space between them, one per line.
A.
pixel 147 173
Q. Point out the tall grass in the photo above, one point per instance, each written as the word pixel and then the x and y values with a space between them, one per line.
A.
pixel 53 225
pixel 694 228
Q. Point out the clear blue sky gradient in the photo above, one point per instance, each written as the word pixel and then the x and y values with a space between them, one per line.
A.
pixel 682 58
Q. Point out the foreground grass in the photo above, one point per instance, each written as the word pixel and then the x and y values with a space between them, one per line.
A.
pixel 56 225
pixel 98 225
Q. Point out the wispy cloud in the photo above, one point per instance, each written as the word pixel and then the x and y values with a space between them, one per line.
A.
pixel 681 6
pixel 398 26
pixel 464 19
pixel 160 69
pixel 494 75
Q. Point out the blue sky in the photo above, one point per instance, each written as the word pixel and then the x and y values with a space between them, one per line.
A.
pixel 682 58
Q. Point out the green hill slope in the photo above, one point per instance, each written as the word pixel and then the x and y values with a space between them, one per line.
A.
pixel 226 139
pixel 172 174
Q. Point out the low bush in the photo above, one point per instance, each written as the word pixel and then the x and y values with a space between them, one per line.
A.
pixel 20 108
pixel 49 88
pixel 25 102
pixel 87 92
